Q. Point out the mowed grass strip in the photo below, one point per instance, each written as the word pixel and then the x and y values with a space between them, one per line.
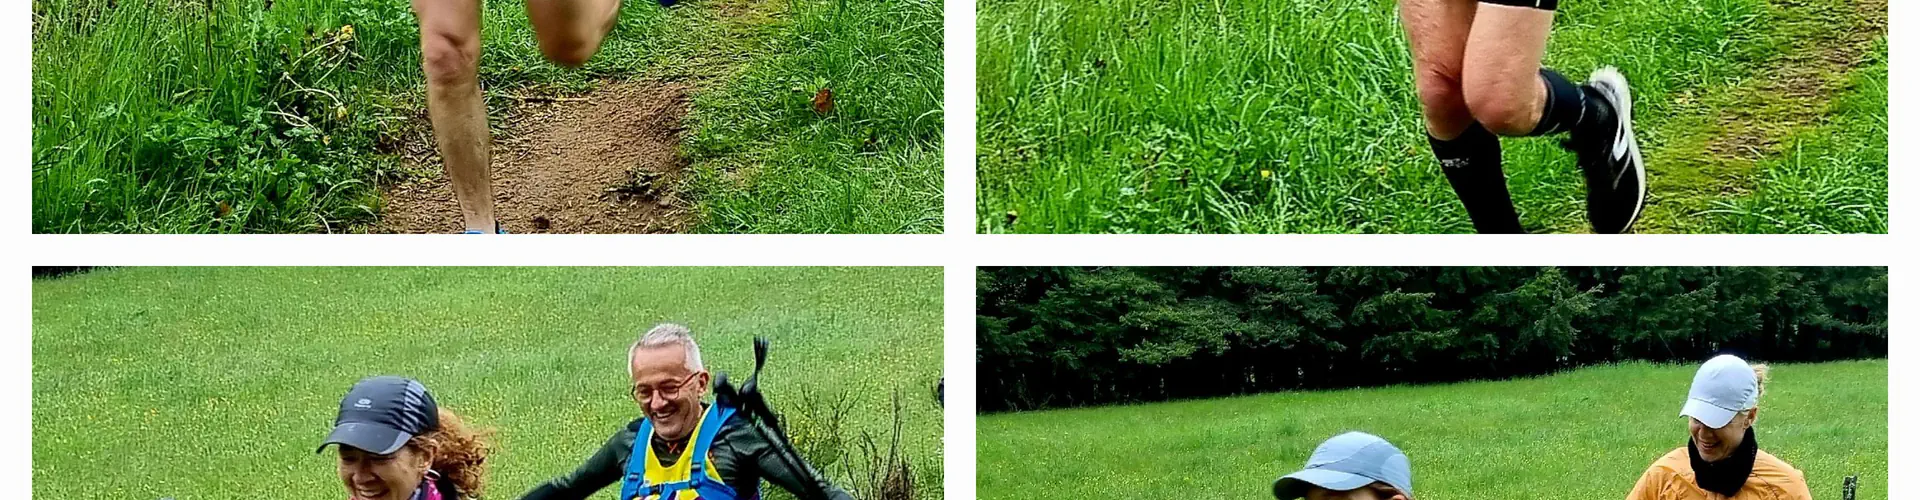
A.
pixel 1830 178
pixel 1587 433
pixel 217 383
pixel 1280 116
pixel 1798 146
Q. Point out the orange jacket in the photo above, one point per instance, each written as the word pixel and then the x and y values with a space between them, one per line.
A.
pixel 1671 478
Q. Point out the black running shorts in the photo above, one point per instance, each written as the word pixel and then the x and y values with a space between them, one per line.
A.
pixel 1537 4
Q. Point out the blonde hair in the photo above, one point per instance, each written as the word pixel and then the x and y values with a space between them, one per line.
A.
pixel 459 452
pixel 1760 373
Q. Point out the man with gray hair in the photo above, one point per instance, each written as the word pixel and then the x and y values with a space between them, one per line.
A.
pixel 663 335
pixel 692 449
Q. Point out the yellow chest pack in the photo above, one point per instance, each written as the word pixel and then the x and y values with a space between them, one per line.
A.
pixel 692 477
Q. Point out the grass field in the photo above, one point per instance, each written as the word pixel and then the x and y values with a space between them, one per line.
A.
pixel 1261 116
pixel 1588 433
pixel 210 383
pixel 188 116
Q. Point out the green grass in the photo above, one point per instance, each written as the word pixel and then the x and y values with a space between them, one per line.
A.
pixel 1263 116
pixel 205 383
pixel 170 116
pixel 1587 433
pixel 149 116
pixel 765 163
pixel 1832 178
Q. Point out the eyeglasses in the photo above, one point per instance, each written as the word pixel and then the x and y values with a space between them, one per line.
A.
pixel 642 394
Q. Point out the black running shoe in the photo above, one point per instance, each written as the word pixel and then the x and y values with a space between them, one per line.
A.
pixel 1610 157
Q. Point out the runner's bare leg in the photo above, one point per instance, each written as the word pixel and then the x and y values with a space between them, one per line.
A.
pixel 450 56
pixel 1502 80
pixel 570 31
pixel 1437 31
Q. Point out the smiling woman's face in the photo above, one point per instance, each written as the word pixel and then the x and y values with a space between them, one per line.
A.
pixel 1717 444
pixel 382 477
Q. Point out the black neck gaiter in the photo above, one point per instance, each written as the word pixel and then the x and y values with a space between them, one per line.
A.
pixel 1729 474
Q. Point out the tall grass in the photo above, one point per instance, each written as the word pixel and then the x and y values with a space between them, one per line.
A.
pixel 208 116
pixel 1283 115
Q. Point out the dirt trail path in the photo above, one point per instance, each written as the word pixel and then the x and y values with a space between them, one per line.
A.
pixel 605 162
pixel 1716 145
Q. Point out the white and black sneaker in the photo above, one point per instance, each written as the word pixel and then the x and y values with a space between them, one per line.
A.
pixel 1610 157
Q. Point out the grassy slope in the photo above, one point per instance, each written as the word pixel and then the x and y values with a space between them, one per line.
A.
pixel 105 93
pixel 99 95
pixel 763 161
pixel 766 163
pixel 1239 116
pixel 1583 434
pixel 135 369
pixel 145 119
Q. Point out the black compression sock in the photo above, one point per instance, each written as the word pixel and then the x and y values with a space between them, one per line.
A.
pixel 1568 106
pixel 1471 163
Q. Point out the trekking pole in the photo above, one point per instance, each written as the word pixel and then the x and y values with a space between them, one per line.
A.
pixel 749 399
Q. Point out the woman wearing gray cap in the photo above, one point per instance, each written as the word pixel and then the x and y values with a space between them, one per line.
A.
pixel 1351 466
pixel 396 444
pixel 1721 459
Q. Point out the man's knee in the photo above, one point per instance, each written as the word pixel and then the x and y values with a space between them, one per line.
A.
pixel 450 58
pixel 1440 91
pixel 568 51
pixel 1506 107
pixel 1442 102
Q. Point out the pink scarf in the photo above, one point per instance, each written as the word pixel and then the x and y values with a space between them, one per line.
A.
pixel 427 489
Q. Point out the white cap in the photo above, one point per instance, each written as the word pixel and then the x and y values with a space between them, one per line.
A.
pixel 1724 386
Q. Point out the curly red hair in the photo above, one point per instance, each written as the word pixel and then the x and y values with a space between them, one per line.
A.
pixel 459 452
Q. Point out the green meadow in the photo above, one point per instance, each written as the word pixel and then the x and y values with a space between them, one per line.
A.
pixel 218 383
pixel 1282 116
pixel 1587 433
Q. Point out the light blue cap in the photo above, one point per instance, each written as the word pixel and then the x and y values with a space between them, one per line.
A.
pixel 1724 387
pixel 1347 462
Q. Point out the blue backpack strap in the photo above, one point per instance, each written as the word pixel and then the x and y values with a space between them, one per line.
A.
pixel 636 474
pixel 671 491
pixel 710 489
pixel 634 482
